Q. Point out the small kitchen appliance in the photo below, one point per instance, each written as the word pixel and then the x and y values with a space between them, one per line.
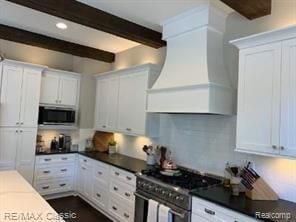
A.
pixel 56 116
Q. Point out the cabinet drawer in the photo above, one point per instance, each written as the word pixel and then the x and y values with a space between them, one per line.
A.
pixel 54 159
pixel 99 196
pixel 120 209
pixel 54 186
pixel 54 172
pixel 85 160
pixel 123 190
pixel 213 212
pixel 124 176
pixel 101 172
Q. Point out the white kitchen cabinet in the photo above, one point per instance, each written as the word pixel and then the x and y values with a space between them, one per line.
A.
pixel 205 211
pixel 60 88
pixel 54 173
pixel 17 150
pixel 122 101
pixel 106 103
pixel 266 93
pixel 288 99
pixel 20 91
pixel 8 148
pixel 85 177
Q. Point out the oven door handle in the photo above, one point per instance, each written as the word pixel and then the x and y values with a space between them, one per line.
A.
pixel 181 215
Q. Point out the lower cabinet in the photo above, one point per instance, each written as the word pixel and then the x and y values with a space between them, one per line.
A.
pixel 204 211
pixel 107 187
pixel 54 173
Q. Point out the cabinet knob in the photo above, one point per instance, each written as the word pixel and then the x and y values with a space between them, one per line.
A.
pixel 115 188
pixel 282 147
pixel 16 131
pixel 57 101
pixel 104 126
pixel 17 123
pixel 128 129
pixel 45 188
pixel 98 195
pixel 126 215
pixel 114 208
pixel 22 123
pixel 62 185
pixel 274 147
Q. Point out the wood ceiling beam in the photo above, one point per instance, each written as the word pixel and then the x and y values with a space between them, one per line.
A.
pixel 30 38
pixel 250 9
pixel 83 14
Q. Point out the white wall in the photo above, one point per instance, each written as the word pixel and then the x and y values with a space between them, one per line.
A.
pixel 207 142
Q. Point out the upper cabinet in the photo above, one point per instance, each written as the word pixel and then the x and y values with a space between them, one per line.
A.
pixel 60 88
pixel 266 118
pixel 20 90
pixel 121 101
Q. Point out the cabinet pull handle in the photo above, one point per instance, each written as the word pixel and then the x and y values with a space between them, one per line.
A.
pixel 47 159
pixel 21 131
pixel 45 188
pixel 114 208
pixel 16 131
pixel 100 173
pixel 117 174
pixel 57 101
pixel 17 123
pixel 64 158
pixel 46 171
pixel 63 170
pixel 85 160
pixel 128 129
pixel 115 188
pixel 83 168
pixel 127 194
pixel 128 178
pixel 126 215
pixel 209 211
pixel 22 123
pixel 98 195
pixel 282 147
pixel 62 184
pixel 274 147
pixel 104 126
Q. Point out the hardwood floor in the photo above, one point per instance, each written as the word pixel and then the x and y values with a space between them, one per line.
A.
pixel 83 211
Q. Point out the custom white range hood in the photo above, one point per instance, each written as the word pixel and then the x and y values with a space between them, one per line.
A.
pixel 193 79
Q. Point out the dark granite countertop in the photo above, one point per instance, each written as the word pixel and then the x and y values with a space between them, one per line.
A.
pixel 222 196
pixel 130 164
pixel 51 152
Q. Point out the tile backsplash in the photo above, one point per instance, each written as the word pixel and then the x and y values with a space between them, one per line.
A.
pixel 206 143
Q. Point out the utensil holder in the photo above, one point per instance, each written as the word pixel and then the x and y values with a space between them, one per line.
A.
pixel 261 191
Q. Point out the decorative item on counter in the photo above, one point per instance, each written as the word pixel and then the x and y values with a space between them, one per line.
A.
pixel 257 188
pixel 112 146
pixel 101 141
pixel 151 152
pixel 233 180
pixel 163 151
pixel 89 144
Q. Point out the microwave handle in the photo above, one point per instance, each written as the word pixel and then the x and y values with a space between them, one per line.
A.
pixel 181 215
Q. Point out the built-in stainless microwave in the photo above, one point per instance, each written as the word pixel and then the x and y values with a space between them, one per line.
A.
pixel 56 116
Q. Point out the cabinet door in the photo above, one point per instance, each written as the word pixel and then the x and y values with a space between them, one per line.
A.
pixel 25 157
pixel 68 91
pixel 84 184
pixel 106 103
pixel 132 103
pixel 11 95
pixel 30 98
pixel 8 147
pixel 49 88
pixel 259 99
pixel 288 99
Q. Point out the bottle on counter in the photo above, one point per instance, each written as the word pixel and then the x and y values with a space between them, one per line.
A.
pixel 54 144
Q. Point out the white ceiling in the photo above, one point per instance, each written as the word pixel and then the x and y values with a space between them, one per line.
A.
pixel 149 13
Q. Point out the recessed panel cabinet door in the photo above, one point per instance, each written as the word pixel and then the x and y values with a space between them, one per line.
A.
pixel 8 148
pixel 49 88
pixel 288 99
pixel 68 91
pixel 30 98
pixel 258 119
pixel 11 91
pixel 25 156
pixel 132 103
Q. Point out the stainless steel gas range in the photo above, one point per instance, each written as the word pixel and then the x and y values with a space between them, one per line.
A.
pixel 172 191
